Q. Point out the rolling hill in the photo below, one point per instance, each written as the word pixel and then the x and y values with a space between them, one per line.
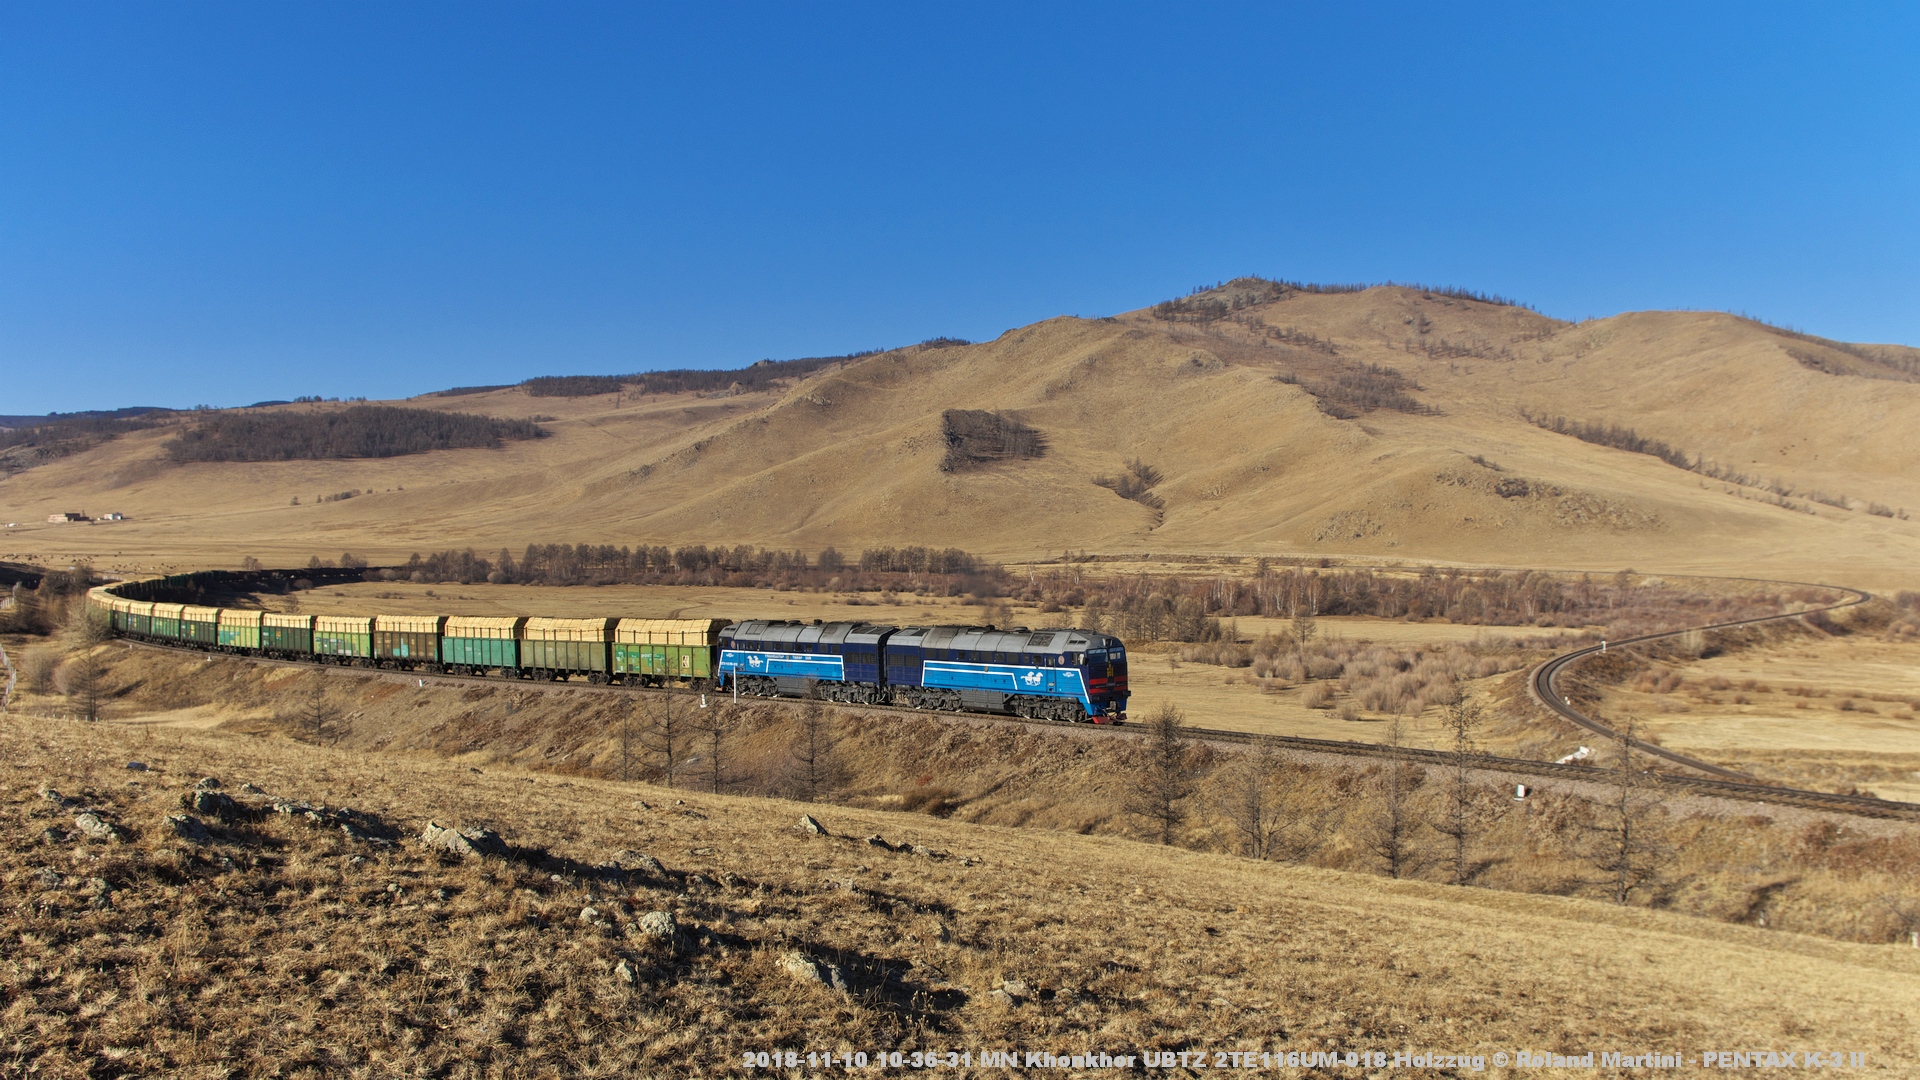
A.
pixel 1391 422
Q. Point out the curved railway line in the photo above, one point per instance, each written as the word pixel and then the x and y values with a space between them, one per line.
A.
pixel 1723 783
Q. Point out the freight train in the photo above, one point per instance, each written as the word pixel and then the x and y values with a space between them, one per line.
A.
pixel 1052 674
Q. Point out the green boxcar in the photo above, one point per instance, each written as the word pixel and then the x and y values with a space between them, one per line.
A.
pixel 292 634
pixel 166 621
pixel 407 640
pixel 656 650
pixel 239 629
pixel 481 642
pixel 200 625
pixel 139 619
pixel 568 646
pixel 343 636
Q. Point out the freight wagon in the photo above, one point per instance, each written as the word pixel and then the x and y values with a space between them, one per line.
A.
pixel 561 648
pixel 1061 674
pixel 654 652
pixel 476 645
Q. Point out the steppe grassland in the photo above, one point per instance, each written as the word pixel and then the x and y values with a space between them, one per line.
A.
pixel 273 949
pixel 1252 465
pixel 1790 870
pixel 1802 708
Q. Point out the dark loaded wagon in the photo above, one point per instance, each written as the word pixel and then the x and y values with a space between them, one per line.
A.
pixel 239 630
pixel 286 635
pixel 200 625
pixel 653 652
pixel 343 639
pixel 166 621
pixel 407 641
pixel 476 644
pixel 563 648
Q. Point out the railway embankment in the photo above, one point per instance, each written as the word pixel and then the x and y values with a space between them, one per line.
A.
pixel 1720 858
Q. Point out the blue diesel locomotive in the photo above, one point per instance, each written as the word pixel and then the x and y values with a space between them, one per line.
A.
pixel 1077 675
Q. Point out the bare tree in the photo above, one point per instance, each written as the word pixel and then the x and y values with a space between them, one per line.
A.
pixel 1390 831
pixel 1257 802
pixel 318 719
pixel 1625 843
pixel 1459 819
pixel 1166 777
pixel 710 727
pixel 665 731
pixel 624 740
pixel 38 669
pixel 814 752
pixel 84 676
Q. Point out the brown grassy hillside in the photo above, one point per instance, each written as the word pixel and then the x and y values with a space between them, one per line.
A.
pixel 1388 423
pixel 250 941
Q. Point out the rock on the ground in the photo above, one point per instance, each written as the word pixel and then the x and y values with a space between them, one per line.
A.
pixel 659 926
pixel 804 968
pixel 876 840
pixel 91 824
pixel 213 804
pixel 137 766
pixel 808 823
pixel 207 783
pixel 625 972
pixel 188 828
pixel 467 842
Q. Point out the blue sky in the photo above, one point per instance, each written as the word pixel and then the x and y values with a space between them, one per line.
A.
pixel 226 203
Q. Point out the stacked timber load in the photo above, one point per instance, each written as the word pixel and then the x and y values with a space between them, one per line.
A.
pixel 557 648
pixel 407 640
pixel 473 643
pixel 655 650
pixel 239 629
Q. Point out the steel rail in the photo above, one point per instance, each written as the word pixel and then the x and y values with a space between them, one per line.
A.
pixel 1858 805
pixel 1540 684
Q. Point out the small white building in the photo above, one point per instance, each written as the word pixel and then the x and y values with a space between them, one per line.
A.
pixel 58 519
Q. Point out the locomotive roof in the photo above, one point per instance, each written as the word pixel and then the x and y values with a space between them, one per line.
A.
pixel 790 632
pixel 992 639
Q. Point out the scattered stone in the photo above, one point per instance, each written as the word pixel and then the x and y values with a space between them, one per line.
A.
pixel 940 932
pixel 50 878
pixel 1004 999
pixel 699 881
pixel 964 861
pixel 659 926
pixel 590 915
pixel 625 972
pixel 53 796
pixel 925 852
pixel 98 885
pixel 249 789
pixel 1066 995
pixel 352 832
pixel 207 783
pixel 356 860
pixel 137 766
pixel 474 843
pixel 732 880
pixel 441 894
pixel 646 863
pixel 54 836
pixel 804 968
pixel 808 823
pixel 701 851
pixel 96 829
pixel 877 841
pixel 679 802
pixel 212 803
pixel 1016 987
pixel 188 828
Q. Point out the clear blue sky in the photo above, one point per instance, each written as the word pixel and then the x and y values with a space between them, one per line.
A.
pixel 226 203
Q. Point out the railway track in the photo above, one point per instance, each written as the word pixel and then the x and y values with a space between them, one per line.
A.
pixel 1742 788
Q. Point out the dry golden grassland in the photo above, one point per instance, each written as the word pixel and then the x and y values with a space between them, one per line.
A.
pixel 1224 412
pixel 280 945
pixel 1836 710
